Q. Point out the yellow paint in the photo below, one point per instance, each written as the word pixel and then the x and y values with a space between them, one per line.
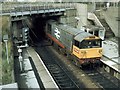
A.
pixel 76 51
pixel 92 38
pixel 87 53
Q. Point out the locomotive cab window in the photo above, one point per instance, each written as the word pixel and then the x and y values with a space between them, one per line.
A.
pixel 76 43
pixel 91 44
pixel 96 33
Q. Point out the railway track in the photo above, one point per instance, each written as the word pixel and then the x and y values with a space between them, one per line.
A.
pixel 102 78
pixel 59 73
pixel 98 76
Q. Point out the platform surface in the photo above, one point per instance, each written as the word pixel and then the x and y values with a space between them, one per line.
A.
pixel 43 72
pixel 110 54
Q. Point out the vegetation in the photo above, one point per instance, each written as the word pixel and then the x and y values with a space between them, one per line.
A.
pixel 0 54
pixel 7 68
pixel 0 71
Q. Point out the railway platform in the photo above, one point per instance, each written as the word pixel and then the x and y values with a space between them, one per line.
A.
pixel 46 78
pixel 24 73
pixel 111 57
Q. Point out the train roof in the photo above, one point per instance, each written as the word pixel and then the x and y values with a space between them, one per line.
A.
pixel 70 30
pixel 66 28
pixel 80 37
pixel 78 34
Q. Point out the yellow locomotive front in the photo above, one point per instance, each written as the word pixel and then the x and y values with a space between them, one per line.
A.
pixel 88 49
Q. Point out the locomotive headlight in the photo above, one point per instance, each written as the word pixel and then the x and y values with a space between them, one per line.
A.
pixel 83 52
pixel 100 51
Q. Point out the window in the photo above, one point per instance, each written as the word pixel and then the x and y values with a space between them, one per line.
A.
pixel 76 43
pixel 96 33
pixel 84 44
pixel 91 32
pixel 91 44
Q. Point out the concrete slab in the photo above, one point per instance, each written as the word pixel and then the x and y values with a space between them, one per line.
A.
pixel 49 85
pixel 110 49
pixel 41 68
pixel 27 65
pixel 110 63
pixel 9 86
pixel 116 60
pixel 45 78
pixel 28 80
pixel 30 74
pixel 32 83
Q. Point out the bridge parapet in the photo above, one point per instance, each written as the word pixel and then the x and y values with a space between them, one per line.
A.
pixel 30 7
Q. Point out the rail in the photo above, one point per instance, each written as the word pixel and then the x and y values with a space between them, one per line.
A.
pixel 59 73
pixel 102 79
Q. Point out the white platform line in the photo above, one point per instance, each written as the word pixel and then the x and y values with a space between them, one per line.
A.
pixel 47 71
pixel 110 64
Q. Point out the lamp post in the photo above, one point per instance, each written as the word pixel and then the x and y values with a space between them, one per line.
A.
pixel 20 59
pixel 5 39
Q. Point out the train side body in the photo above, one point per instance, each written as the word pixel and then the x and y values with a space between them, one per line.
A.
pixel 63 33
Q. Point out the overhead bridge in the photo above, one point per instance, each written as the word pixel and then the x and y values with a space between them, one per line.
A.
pixel 31 9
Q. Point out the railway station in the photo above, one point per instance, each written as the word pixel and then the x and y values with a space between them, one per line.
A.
pixel 59 44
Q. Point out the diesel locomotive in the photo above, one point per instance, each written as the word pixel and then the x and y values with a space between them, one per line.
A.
pixel 82 47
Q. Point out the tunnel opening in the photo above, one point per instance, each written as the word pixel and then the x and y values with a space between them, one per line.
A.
pixel 37 33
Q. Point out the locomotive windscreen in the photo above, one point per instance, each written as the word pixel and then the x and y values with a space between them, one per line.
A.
pixel 96 43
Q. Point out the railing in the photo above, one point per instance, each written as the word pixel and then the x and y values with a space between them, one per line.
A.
pixel 8 8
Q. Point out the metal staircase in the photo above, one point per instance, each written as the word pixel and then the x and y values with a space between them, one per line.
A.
pixel 108 33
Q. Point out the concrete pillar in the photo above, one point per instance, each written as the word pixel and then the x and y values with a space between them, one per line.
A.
pixel 14 29
pixel 69 17
pixel 119 45
pixel 94 6
pixel 0 52
pixel 119 28
pixel 81 15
